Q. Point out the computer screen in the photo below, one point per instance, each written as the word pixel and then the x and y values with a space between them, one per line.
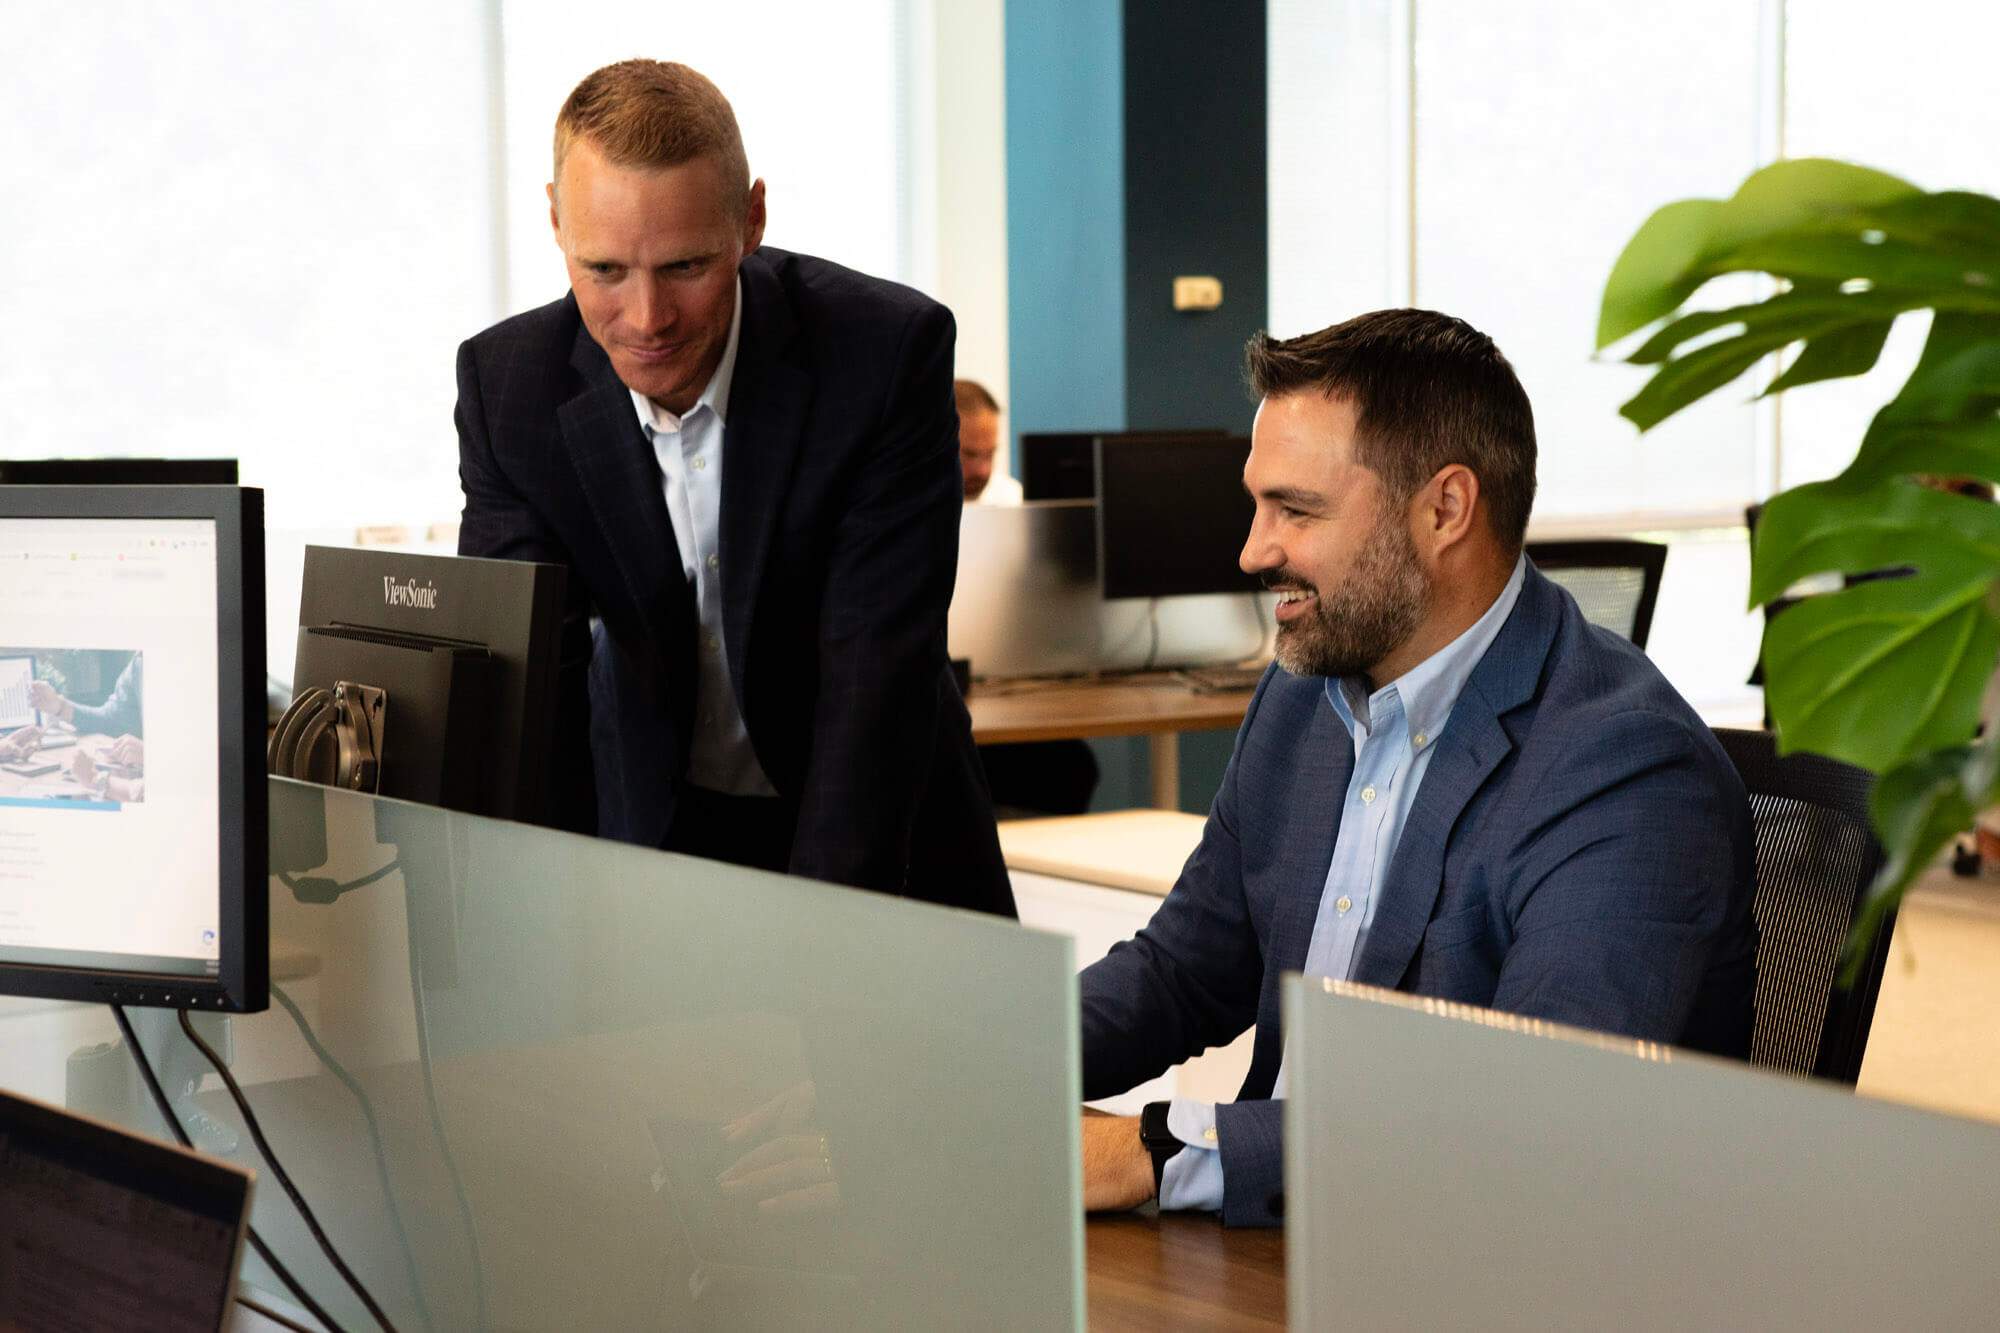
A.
pixel 1172 515
pixel 132 805
pixel 1061 465
pixel 118 472
pixel 106 1229
pixel 465 652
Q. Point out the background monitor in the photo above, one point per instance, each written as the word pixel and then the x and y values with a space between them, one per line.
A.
pixel 1062 465
pixel 1172 515
pixel 133 870
pixel 467 650
pixel 118 472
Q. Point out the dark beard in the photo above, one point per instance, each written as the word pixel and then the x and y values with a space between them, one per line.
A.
pixel 1377 607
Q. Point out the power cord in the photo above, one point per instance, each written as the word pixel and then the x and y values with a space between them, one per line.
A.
pixel 374 1139
pixel 271 1158
pixel 320 889
pixel 272 1315
pixel 166 1110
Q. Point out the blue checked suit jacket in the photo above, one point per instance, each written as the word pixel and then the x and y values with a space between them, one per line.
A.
pixel 838 545
pixel 1580 850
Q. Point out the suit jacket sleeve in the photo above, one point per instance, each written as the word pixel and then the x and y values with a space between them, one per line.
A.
pixel 501 523
pixel 890 568
pixel 1191 978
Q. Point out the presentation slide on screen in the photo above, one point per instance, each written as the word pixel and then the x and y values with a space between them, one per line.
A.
pixel 108 744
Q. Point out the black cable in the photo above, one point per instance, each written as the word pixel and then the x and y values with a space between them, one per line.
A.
pixel 314 888
pixel 444 1143
pixel 273 1315
pixel 174 1123
pixel 374 1139
pixel 277 1170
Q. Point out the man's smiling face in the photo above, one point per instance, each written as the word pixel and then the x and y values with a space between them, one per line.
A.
pixel 1329 540
pixel 652 256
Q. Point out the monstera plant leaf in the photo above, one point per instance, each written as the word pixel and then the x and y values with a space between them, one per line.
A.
pixel 1888 673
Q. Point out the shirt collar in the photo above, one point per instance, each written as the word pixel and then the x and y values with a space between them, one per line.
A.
pixel 1426 692
pixel 715 397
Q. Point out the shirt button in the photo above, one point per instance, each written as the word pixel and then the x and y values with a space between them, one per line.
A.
pixel 713 643
pixel 714 561
pixel 1343 903
pixel 699 464
pixel 1208 1134
pixel 1367 796
pixel 1420 739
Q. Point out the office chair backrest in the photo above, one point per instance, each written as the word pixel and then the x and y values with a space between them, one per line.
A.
pixel 1816 856
pixel 1615 583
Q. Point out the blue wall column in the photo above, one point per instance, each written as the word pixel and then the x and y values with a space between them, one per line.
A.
pixel 1135 153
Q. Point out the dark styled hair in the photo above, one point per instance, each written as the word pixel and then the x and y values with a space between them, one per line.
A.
pixel 1428 391
pixel 649 113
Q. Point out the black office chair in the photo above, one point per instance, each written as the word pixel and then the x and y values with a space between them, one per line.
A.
pixel 1816 856
pixel 1615 583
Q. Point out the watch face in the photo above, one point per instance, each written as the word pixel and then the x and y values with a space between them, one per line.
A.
pixel 1153 1131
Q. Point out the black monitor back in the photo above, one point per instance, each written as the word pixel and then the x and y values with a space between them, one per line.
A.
pixel 118 472
pixel 438 608
pixel 1062 465
pixel 1172 515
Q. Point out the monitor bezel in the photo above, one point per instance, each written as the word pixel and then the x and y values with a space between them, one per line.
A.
pixel 1116 585
pixel 241 983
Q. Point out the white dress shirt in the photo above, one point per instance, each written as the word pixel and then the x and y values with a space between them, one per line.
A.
pixel 690 448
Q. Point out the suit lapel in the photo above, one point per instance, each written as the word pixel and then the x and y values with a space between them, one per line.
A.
pixel 1473 744
pixel 768 402
pixel 621 478
pixel 1312 825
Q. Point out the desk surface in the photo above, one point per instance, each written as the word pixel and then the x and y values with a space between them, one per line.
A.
pixel 1005 711
pixel 1142 850
pixel 1182 1272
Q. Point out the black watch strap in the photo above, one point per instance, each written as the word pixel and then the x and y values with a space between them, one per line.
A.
pixel 1158 1139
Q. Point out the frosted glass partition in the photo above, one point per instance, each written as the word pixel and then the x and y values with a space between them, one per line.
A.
pixel 538 1081
pixel 1450 1167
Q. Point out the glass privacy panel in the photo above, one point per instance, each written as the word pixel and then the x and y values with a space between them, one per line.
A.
pixel 1451 1167
pixel 529 1080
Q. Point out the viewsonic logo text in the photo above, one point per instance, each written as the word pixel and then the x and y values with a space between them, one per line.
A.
pixel 409 594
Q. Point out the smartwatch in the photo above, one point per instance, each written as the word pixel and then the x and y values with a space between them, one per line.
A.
pixel 1158 1139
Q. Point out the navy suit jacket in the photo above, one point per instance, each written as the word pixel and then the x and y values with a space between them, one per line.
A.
pixel 1580 850
pixel 838 547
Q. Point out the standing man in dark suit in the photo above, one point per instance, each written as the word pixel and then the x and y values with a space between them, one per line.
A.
pixel 1449 784
pixel 748 461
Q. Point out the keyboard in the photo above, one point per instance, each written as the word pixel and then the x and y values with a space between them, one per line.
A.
pixel 1220 679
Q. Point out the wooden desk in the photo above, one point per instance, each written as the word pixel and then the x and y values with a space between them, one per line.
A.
pixel 1155 705
pixel 1182 1271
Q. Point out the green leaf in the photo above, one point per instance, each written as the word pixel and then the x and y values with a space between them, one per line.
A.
pixel 1654 273
pixel 1681 246
pixel 1882 671
pixel 1917 808
pixel 1852 350
pixel 1877 672
pixel 1828 527
pixel 1926 448
pixel 1689 378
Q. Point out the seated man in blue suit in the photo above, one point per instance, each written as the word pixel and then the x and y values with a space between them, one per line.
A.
pixel 748 461
pixel 1450 783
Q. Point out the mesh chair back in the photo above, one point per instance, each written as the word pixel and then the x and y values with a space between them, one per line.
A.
pixel 1615 583
pixel 1816 855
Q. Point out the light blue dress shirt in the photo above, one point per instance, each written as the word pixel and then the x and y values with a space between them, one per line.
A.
pixel 1394 730
pixel 689 448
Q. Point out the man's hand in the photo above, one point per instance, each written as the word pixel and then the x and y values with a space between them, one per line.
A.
pixel 43 697
pixel 21 744
pixel 128 749
pixel 1117 1169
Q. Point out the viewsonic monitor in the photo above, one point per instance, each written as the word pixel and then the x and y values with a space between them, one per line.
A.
pixel 118 472
pixel 1062 465
pixel 132 799
pixel 1172 516
pixel 466 652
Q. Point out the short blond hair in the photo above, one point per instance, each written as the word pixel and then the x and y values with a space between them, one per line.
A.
pixel 655 114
